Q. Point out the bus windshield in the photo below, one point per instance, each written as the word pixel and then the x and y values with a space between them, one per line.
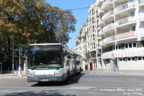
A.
pixel 45 56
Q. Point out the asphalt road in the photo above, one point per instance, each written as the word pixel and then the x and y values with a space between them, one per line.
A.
pixel 86 84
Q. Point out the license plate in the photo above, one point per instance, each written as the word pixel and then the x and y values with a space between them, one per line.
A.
pixel 44 80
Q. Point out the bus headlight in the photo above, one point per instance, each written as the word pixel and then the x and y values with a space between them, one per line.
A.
pixel 30 73
pixel 58 72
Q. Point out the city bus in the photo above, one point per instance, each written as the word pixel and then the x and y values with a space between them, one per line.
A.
pixel 51 62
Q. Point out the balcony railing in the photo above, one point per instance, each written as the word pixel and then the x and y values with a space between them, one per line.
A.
pixel 100 32
pixel 108 39
pixel 101 42
pixel 128 52
pixel 107 2
pixel 125 6
pixel 99 2
pixel 109 26
pixel 125 20
pixel 107 15
pixel 99 22
pixel 125 35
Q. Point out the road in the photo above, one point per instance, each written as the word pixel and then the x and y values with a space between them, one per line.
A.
pixel 86 84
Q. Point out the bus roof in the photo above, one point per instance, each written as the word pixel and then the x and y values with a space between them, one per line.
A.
pixel 45 44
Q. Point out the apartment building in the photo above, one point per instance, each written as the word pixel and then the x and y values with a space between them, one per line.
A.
pixel 115 34
pixel 81 47
pixel 121 30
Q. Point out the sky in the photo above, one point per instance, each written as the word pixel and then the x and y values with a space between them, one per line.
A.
pixel 80 15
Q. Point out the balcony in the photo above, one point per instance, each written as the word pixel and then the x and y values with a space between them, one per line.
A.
pixel 108 39
pixel 108 27
pixel 107 15
pixel 100 12
pixel 100 22
pixel 129 52
pixel 101 42
pixel 125 35
pixel 100 32
pixel 106 4
pixel 127 20
pixel 99 2
pixel 125 6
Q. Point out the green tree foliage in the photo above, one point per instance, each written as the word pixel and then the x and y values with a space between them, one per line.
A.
pixel 32 21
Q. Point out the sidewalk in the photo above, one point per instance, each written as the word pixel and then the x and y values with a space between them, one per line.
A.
pixel 120 72
pixel 11 76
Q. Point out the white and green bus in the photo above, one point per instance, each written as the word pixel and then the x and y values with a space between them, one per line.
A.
pixel 51 62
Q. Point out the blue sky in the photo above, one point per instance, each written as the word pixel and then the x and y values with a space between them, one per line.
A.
pixel 81 15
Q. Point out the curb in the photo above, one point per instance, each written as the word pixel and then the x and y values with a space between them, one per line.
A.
pixel 124 73
pixel 6 76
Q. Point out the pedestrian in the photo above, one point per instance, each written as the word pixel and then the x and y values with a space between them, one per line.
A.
pixel 86 66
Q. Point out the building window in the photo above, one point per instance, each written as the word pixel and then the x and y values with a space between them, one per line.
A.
pixel 134 44
pixel 130 45
pixel 122 46
pixel 116 46
pixel 139 44
pixel 120 59
pixel 142 43
pixel 126 45
pixel 133 28
pixel 139 58
pixel 133 58
pixel 132 13
pixel 125 59
pixel 129 59
pixel 119 46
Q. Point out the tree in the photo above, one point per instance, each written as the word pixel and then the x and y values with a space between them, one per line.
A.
pixel 32 21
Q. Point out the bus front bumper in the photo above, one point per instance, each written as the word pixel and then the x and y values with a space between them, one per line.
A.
pixel 44 78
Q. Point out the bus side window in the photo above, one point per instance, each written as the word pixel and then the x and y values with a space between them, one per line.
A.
pixel 67 63
pixel 77 62
pixel 69 57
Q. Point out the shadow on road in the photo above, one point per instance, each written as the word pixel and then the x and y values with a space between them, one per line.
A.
pixel 41 93
pixel 71 80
